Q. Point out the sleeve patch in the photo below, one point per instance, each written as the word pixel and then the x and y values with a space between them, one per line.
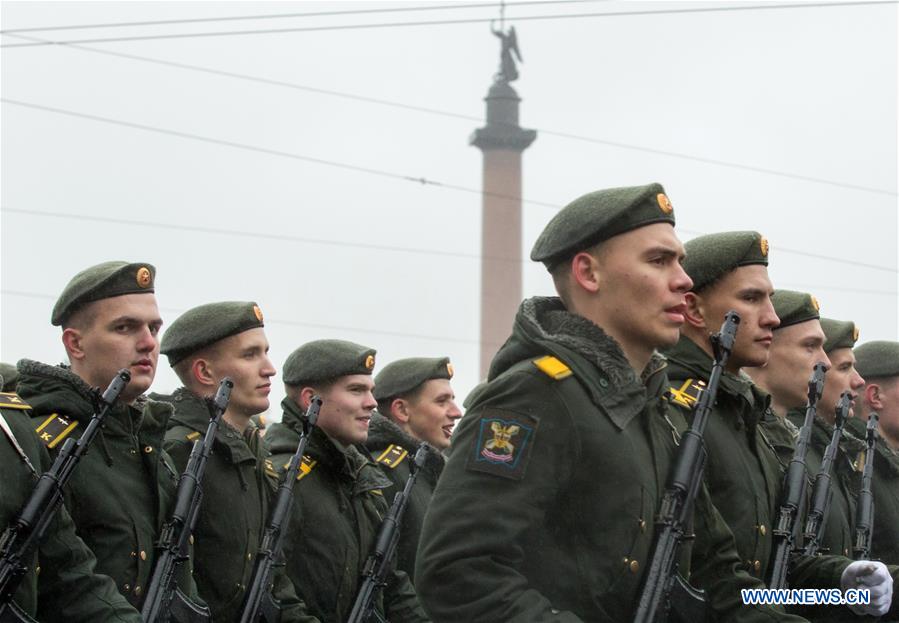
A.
pixel 687 395
pixel 503 444
pixel 552 367
pixel 306 466
pixel 392 456
pixel 11 400
pixel 55 429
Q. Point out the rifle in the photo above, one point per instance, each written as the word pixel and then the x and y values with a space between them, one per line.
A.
pixel 165 601
pixel 822 493
pixel 864 524
pixel 795 484
pixel 259 605
pixel 664 589
pixel 22 535
pixel 377 565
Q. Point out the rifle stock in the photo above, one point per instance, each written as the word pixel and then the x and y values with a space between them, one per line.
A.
pixel 663 583
pixel 165 601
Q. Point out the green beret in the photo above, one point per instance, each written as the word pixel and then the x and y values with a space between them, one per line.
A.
pixel 839 334
pixel 102 281
pixel 877 359
pixel 201 326
pixel 794 307
pixel 10 375
pixel 402 376
pixel 323 360
pixel 713 256
pixel 598 216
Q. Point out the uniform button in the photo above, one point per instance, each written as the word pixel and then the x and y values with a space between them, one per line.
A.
pixel 134 554
pixel 137 589
pixel 603 383
pixel 148 449
pixel 763 530
pixel 127 587
pixel 143 555
pixel 634 566
pixel 642 525
pixel 191 539
pixel 249 556
pixel 133 451
pixel 757 565
pixel 37 570
pixel 846 553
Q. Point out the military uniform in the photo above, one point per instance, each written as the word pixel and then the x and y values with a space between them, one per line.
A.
pixel 338 507
pixel 393 450
pixel 545 508
pixel 60 579
pixel 781 433
pixel 236 502
pixel 124 488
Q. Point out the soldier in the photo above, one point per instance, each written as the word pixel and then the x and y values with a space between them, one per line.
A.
pixel 730 272
pixel 545 507
pixel 798 344
pixel 338 500
pixel 878 363
pixel 418 404
pixel 67 589
pixel 204 345
pixel 123 489
pixel 10 375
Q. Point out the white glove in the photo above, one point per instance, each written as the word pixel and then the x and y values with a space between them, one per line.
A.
pixel 874 576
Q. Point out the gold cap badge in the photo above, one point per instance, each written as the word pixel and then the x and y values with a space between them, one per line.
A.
pixel 258 312
pixel 815 303
pixel 449 369
pixel 664 203
pixel 855 333
pixel 143 277
pixel 763 243
pixel 369 362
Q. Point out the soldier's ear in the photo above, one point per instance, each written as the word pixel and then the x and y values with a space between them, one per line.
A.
pixel 72 341
pixel 399 409
pixel 585 271
pixel 305 397
pixel 872 396
pixel 694 311
pixel 201 372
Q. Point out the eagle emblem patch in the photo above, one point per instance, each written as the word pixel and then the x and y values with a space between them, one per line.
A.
pixel 504 444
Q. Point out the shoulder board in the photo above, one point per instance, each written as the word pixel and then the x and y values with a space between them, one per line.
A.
pixel 270 469
pixel 687 394
pixel 552 367
pixel 54 429
pixel 193 435
pixel 306 466
pixel 392 456
pixel 859 463
pixel 10 400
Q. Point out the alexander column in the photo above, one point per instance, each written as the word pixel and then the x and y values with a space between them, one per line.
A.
pixel 501 140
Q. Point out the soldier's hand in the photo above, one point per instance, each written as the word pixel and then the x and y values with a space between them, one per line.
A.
pixel 874 576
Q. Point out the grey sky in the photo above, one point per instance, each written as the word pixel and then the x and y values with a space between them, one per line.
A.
pixel 811 92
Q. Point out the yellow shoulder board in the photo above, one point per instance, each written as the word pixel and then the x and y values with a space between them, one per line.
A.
pixel 270 468
pixel 305 466
pixel 552 367
pixel 392 456
pixel 687 394
pixel 55 429
pixel 192 435
pixel 9 400
pixel 859 463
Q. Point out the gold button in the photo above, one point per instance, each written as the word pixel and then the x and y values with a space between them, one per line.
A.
pixel 137 590
pixel 133 451
pixel 143 555
pixel 37 570
pixel 127 587
pixel 642 525
pixel 134 554
pixel 191 539
pixel 757 565
pixel 762 530
pixel 249 556
pixel 634 566
pixel 148 449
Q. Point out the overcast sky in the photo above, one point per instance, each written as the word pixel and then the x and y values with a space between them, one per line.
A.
pixel 782 120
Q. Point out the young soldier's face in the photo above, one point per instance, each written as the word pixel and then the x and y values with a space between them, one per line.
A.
pixel 794 352
pixel 346 408
pixel 888 397
pixel 841 376
pixel 642 286
pixel 124 334
pixel 746 290
pixel 433 413
pixel 244 358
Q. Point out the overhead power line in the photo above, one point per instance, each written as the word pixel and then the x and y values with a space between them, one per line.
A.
pixel 378 172
pixel 232 18
pixel 477 119
pixel 271 31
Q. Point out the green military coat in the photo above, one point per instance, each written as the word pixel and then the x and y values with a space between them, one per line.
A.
pixel 393 449
pixel 124 488
pixel 885 487
pixel 337 511
pixel 234 511
pixel 839 529
pixel 66 587
pixel 545 509
pixel 781 433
